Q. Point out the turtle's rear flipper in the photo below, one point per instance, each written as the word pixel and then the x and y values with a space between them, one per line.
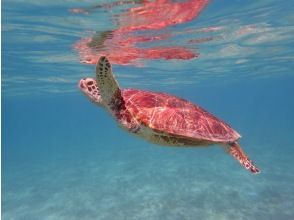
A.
pixel 235 150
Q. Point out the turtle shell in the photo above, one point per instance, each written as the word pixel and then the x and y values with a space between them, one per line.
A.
pixel 174 116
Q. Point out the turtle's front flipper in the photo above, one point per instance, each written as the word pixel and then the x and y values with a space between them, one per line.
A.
pixel 108 86
pixel 236 151
pixel 111 96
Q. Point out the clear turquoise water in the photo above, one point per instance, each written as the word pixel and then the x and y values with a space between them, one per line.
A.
pixel 64 158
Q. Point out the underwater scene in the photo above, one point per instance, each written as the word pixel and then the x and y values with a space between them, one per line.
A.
pixel 65 157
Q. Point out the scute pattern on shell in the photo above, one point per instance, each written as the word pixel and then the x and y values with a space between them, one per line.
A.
pixel 177 117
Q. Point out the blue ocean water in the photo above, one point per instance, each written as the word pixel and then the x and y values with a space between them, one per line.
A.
pixel 65 158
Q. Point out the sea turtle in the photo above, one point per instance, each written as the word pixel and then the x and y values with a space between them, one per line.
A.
pixel 161 118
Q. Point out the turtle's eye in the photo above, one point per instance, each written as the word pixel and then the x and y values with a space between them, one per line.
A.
pixel 90 83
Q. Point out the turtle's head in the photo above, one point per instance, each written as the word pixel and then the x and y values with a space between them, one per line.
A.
pixel 89 87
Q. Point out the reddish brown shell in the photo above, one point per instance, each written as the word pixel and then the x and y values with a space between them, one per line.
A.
pixel 175 116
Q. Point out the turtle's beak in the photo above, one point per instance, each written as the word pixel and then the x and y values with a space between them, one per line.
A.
pixel 81 84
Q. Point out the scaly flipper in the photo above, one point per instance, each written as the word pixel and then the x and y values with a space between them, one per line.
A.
pixel 109 88
pixel 112 97
pixel 236 151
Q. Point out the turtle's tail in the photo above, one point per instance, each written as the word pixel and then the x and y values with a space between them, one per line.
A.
pixel 236 151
